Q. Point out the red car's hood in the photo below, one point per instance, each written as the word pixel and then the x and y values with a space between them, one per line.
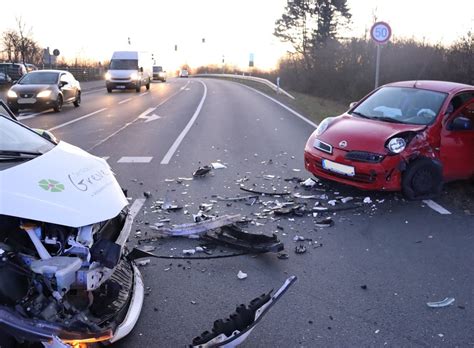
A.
pixel 363 134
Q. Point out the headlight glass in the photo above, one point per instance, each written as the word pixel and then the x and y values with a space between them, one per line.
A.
pixel 134 76
pixel 323 125
pixel 12 94
pixel 107 76
pixel 44 94
pixel 396 145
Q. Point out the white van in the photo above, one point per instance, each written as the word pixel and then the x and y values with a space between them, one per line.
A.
pixel 129 69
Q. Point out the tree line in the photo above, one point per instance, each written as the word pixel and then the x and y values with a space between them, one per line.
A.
pixel 327 65
pixel 19 45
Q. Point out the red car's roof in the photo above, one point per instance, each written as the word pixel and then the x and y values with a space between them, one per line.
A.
pixel 439 86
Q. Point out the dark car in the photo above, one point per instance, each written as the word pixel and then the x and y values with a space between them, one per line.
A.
pixel 410 136
pixel 43 89
pixel 14 70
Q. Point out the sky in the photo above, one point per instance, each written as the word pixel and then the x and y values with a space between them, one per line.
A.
pixel 232 30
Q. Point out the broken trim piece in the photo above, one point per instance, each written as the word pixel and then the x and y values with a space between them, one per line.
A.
pixel 265 193
pixel 234 236
pixel 199 227
pixel 220 339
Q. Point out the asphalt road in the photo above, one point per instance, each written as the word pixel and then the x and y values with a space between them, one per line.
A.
pixel 365 284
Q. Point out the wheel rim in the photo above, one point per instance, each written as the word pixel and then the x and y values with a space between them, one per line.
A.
pixel 59 103
pixel 423 180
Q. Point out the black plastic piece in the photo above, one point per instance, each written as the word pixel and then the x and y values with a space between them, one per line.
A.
pixel 243 317
pixel 234 236
pixel 106 252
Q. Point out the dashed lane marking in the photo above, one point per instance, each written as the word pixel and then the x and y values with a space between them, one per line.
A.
pixel 76 120
pixel 144 93
pixel 125 101
pixel 20 118
pixel 138 159
pixel 436 207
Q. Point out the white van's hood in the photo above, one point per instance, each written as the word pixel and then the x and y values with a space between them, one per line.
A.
pixel 65 186
pixel 121 74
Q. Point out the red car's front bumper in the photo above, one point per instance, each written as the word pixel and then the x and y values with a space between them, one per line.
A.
pixel 384 175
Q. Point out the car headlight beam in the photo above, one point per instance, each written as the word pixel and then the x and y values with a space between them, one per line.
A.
pixel 134 76
pixel 396 145
pixel 44 94
pixel 108 76
pixel 12 94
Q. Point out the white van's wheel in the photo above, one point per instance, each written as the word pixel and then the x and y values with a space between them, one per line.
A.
pixel 139 86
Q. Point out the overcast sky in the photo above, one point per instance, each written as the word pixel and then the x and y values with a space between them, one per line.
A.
pixel 231 29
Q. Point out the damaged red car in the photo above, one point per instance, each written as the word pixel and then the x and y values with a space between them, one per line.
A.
pixel 407 136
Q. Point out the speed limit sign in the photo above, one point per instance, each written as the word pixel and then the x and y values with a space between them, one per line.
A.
pixel 381 32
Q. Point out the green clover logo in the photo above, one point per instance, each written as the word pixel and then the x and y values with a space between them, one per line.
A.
pixel 51 185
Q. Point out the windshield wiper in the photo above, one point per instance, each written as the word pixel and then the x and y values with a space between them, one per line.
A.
pixel 359 114
pixel 19 154
pixel 387 119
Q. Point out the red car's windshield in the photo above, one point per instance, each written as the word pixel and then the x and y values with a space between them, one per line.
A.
pixel 402 105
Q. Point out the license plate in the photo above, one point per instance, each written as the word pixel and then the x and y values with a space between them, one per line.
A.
pixel 26 100
pixel 338 168
pixel 121 87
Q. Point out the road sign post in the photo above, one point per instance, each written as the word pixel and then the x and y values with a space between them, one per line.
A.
pixel 380 33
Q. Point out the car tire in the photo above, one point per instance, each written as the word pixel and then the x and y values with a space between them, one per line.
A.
pixel 77 102
pixel 138 87
pixel 109 90
pixel 422 179
pixel 148 85
pixel 59 103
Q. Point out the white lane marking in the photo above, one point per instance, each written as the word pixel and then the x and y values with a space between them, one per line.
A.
pixel 436 207
pixel 152 117
pixel 146 112
pixel 20 118
pixel 137 159
pixel 186 85
pixel 105 157
pixel 283 106
pixel 142 115
pixel 129 123
pixel 125 101
pixel 144 93
pixel 91 91
pixel 76 120
pixel 186 129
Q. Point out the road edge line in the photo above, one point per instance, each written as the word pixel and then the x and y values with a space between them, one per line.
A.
pixel 283 106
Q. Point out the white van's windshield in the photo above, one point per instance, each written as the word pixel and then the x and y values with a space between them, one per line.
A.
pixel 123 64
pixel 15 139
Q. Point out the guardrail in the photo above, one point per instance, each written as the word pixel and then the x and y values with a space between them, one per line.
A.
pixel 266 82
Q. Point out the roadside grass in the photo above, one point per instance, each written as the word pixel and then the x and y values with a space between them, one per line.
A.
pixel 312 107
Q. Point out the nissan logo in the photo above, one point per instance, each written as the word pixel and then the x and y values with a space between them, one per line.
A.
pixel 343 144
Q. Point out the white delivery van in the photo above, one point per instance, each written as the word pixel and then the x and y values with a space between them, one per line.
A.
pixel 129 70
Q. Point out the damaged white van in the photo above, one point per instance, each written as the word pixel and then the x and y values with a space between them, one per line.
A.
pixel 63 268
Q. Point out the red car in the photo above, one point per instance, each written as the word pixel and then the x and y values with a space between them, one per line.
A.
pixel 410 136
